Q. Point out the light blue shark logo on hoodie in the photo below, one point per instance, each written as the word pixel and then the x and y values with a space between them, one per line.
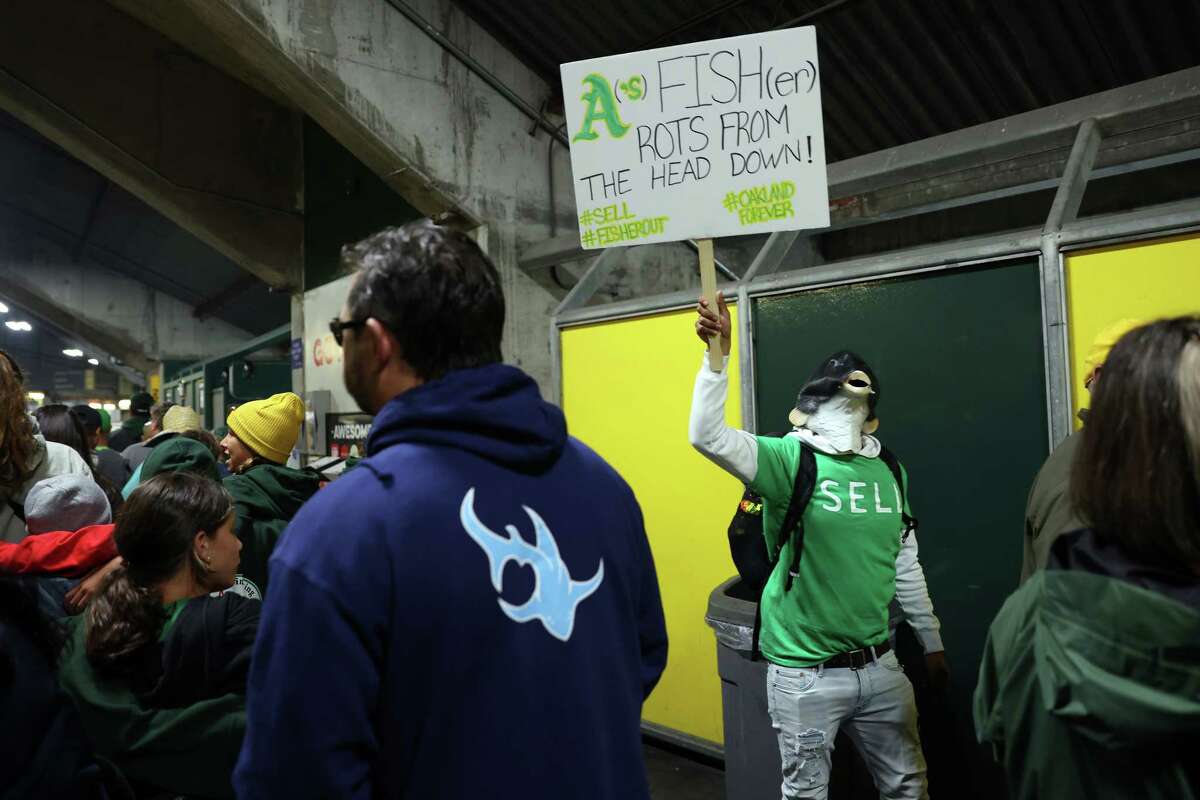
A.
pixel 555 595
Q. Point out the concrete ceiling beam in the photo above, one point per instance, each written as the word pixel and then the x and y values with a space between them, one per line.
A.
pixel 215 27
pixel 71 325
pixel 214 156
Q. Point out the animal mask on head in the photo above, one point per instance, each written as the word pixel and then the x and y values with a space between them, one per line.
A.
pixel 838 401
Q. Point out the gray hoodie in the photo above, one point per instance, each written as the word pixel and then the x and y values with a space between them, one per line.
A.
pixel 49 459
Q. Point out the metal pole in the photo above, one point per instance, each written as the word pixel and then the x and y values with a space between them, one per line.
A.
pixel 745 343
pixel 556 361
pixel 591 280
pixel 721 268
pixel 1054 296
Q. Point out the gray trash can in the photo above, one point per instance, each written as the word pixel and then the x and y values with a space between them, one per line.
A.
pixel 752 766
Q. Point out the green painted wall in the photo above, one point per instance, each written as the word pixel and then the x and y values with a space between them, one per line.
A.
pixel 963 404
pixel 344 202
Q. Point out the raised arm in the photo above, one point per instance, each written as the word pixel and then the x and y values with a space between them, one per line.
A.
pixel 733 450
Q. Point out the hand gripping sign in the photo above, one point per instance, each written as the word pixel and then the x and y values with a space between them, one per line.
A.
pixel 719 138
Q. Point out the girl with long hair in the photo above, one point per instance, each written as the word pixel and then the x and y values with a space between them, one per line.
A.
pixel 25 455
pixel 59 424
pixel 162 636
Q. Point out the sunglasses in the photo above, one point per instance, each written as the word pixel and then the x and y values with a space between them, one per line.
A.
pixel 337 326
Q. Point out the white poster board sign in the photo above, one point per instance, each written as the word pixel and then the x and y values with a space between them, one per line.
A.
pixel 719 138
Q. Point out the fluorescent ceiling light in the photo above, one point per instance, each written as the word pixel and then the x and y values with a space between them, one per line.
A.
pixel 96 406
pixel 3 308
pixel 73 352
pixel 94 362
pixel 110 406
pixel 18 325
pixel 123 405
pixel 36 396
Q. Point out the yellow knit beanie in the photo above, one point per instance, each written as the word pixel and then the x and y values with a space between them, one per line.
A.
pixel 269 427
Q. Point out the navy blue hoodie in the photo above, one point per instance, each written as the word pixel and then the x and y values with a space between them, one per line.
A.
pixel 471 612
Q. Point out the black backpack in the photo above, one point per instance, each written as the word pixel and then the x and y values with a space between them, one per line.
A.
pixel 747 544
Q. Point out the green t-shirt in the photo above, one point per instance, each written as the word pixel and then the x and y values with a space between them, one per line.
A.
pixel 847 576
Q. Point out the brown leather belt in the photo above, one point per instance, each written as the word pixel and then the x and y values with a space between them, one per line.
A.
pixel 857 659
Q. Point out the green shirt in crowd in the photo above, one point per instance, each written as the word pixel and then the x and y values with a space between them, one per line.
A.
pixel 847 574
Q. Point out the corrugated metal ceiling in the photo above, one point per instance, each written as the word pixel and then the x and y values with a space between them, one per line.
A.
pixel 893 71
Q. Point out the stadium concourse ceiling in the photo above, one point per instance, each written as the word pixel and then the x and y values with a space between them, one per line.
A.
pixel 893 71
pixel 50 192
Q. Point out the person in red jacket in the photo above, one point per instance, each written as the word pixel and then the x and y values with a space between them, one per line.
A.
pixel 62 514
pixel 71 554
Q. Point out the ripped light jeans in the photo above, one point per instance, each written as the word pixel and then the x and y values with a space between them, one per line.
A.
pixel 873 705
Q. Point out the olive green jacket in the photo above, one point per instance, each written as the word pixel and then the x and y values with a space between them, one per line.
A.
pixel 1049 512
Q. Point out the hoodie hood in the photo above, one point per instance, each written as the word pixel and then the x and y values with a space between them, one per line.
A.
pixel 1117 651
pixel 268 491
pixel 494 411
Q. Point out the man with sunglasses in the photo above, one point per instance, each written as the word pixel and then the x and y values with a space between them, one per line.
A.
pixel 473 610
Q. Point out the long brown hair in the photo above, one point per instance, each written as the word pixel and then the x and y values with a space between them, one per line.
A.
pixel 1136 476
pixel 17 445
pixel 154 536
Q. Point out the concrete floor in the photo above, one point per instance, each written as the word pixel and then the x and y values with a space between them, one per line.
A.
pixel 674 776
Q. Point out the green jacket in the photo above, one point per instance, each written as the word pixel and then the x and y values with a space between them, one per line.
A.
pixel 189 751
pixel 1049 512
pixel 266 498
pixel 1090 688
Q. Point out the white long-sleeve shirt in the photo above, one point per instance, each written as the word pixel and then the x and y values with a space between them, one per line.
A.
pixel 736 452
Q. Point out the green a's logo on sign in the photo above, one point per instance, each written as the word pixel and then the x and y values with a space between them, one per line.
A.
pixel 601 107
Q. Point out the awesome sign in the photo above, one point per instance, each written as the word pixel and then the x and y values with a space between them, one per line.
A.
pixel 718 138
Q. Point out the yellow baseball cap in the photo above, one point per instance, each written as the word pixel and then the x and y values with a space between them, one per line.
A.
pixel 181 418
pixel 269 427
pixel 1104 342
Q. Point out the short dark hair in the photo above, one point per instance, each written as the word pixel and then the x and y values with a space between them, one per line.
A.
pixel 1136 476
pixel 435 290
pixel 88 417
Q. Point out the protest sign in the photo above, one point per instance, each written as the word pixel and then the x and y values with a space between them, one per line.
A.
pixel 717 138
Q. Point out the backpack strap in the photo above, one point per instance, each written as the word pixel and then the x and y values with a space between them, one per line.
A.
pixel 910 523
pixel 793 520
pixel 793 524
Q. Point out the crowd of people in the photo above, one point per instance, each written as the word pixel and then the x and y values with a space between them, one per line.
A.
pixel 157 659
pixel 473 609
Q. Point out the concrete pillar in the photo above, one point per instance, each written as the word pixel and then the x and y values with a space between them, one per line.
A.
pixel 435 132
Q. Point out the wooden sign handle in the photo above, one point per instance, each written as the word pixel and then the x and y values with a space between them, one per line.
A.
pixel 708 288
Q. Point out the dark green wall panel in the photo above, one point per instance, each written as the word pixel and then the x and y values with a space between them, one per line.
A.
pixel 963 404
